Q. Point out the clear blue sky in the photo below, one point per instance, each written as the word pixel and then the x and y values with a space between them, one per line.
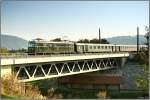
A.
pixel 73 19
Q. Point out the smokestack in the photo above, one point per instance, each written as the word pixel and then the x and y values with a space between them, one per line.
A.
pixel 99 35
pixel 137 39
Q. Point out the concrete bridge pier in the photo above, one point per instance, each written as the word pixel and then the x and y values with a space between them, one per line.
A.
pixel 123 61
pixel 6 70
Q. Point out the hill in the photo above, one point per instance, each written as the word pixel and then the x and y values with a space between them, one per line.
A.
pixel 13 42
pixel 127 40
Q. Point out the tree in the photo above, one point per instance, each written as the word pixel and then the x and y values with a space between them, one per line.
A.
pixel 104 41
pixel 57 39
pixel 142 80
pixel 4 50
pixel 83 41
pixel 38 39
pixel 94 40
pixel 147 34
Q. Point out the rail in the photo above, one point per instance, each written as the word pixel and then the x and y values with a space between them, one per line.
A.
pixel 25 55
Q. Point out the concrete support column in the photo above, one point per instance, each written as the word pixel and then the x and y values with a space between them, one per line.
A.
pixel 6 70
pixel 123 61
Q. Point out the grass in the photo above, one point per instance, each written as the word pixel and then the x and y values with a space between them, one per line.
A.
pixel 91 94
pixel 68 93
pixel 11 88
pixel 127 94
pixel 77 93
pixel 7 97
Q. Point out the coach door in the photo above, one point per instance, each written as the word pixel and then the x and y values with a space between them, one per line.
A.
pixel 112 48
pixel 119 48
pixel 86 48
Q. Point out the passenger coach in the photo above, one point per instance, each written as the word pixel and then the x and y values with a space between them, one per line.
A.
pixel 94 48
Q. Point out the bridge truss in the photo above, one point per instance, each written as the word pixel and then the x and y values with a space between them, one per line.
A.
pixel 31 72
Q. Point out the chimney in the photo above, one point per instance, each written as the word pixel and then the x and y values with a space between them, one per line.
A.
pixel 99 35
pixel 137 39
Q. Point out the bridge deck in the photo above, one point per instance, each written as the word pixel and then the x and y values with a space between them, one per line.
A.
pixel 41 59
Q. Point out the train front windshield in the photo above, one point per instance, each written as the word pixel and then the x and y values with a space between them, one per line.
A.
pixel 31 44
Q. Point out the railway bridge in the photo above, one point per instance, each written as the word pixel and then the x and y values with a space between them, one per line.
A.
pixel 31 68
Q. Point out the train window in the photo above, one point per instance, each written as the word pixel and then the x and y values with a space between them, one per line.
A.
pixel 105 47
pixel 102 47
pixel 39 44
pixel 90 47
pixel 94 47
pixel 45 44
pixel 79 47
pixel 98 47
pixel 50 45
pixel 31 44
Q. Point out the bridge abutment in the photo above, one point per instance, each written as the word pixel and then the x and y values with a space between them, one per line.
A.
pixel 6 70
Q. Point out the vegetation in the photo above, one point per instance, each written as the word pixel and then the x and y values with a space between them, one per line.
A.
pixel 11 88
pixel 97 93
pixel 57 39
pixel 127 94
pixel 147 34
pixel 18 51
pixel 142 58
pixel 142 81
pixel 48 88
pixel 83 41
pixel 94 40
pixel 4 50
pixel 103 41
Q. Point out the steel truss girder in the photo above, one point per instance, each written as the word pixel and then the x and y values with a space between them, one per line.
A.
pixel 56 69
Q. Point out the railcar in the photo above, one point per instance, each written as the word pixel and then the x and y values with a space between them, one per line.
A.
pixel 94 48
pixel 126 48
pixel 143 47
pixel 50 47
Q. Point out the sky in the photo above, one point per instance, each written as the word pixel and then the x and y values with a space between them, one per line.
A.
pixel 73 20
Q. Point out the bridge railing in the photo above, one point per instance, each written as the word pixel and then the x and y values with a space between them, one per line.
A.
pixel 12 55
pixel 25 55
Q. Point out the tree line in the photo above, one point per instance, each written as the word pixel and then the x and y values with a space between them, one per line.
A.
pixel 94 40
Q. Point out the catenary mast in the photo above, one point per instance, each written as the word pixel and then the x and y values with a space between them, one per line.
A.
pixel 137 39
pixel 99 35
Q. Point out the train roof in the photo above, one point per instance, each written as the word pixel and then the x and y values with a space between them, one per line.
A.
pixel 94 44
pixel 108 44
pixel 70 42
pixel 61 42
pixel 130 45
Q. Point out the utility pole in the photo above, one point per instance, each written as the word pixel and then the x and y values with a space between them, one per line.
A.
pixel 147 37
pixel 137 39
pixel 99 35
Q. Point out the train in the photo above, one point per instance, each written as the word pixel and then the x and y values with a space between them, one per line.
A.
pixel 50 47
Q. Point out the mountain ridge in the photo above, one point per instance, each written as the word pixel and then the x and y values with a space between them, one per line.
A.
pixel 129 40
pixel 14 42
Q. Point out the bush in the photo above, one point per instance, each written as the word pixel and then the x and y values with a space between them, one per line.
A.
pixel 11 87
pixel 142 58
